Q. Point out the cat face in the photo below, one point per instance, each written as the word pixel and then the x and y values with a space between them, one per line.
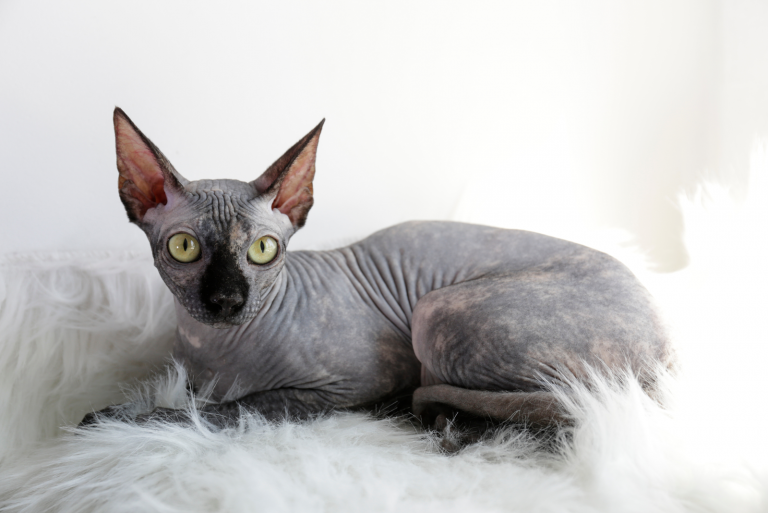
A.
pixel 220 285
pixel 219 245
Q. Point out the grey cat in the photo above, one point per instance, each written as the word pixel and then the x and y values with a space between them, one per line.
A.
pixel 466 318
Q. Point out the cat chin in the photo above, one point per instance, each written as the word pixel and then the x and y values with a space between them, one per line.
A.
pixel 221 324
pixel 231 322
pixel 225 325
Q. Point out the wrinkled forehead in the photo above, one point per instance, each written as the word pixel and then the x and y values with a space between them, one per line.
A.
pixel 212 208
pixel 222 202
pixel 210 192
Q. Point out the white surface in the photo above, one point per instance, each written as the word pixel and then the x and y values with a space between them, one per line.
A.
pixel 592 113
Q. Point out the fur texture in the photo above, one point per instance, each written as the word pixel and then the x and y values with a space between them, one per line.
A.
pixel 75 328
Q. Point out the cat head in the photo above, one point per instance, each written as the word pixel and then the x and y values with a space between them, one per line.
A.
pixel 219 245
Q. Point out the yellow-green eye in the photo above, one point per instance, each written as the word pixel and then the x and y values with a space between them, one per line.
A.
pixel 263 250
pixel 183 247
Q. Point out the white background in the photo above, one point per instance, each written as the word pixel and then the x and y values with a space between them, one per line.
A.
pixel 558 116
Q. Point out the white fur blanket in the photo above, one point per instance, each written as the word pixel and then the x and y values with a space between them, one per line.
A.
pixel 78 332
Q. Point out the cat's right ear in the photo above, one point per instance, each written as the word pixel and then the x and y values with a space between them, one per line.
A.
pixel 146 179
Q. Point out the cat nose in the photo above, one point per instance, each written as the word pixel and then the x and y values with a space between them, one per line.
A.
pixel 227 302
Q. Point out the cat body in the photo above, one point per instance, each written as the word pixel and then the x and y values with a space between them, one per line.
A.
pixel 472 318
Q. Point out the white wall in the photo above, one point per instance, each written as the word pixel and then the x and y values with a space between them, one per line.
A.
pixel 558 116
pixel 744 86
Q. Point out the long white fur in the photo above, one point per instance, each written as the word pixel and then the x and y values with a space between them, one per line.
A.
pixel 75 328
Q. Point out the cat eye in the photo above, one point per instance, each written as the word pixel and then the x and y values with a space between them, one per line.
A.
pixel 263 250
pixel 184 248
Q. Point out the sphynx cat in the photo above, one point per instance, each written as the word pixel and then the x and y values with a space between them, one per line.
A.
pixel 467 318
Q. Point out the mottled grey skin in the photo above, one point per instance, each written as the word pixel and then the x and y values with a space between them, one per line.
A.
pixel 476 318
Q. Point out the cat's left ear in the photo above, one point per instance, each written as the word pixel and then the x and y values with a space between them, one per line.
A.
pixel 289 179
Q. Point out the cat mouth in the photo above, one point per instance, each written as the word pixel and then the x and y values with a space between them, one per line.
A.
pixel 223 320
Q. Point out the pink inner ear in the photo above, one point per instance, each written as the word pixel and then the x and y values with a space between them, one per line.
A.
pixel 156 198
pixel 296 187
pixel 137 164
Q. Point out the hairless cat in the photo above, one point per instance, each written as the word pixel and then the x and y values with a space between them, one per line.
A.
pixel 467 318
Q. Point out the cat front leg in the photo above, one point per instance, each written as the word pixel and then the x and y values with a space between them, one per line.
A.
pixel 285 403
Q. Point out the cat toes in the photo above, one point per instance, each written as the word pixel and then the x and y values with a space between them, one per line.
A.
pixel 89 420
pixel 95 417
pixel 454 429
pixel 441 422
pixel 450 437
pixel 163 416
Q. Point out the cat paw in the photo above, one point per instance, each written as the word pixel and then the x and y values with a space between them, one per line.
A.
pixel 125 414
pixel 95 417
pixel 164 416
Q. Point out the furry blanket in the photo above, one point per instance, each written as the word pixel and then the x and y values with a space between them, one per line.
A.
pixel 79 332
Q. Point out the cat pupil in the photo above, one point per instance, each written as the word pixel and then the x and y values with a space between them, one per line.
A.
pixel 262 246
pixel 185 243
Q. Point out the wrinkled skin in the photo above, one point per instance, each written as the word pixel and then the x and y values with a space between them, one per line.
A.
pixel 474 319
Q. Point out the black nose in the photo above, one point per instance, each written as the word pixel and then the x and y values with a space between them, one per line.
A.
pixel 223 287
pixel 227 302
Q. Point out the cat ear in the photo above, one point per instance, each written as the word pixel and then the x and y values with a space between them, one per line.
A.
pixel 289 179
pixel 146 177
